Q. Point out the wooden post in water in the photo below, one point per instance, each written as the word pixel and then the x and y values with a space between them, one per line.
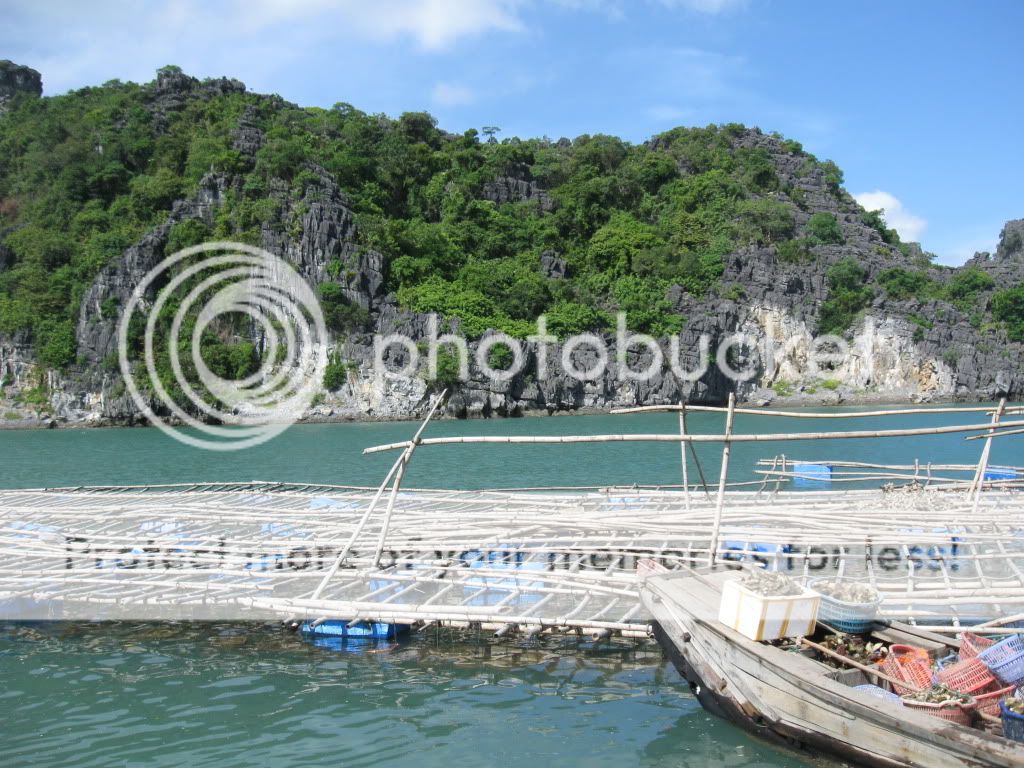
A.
pixel 682 451
pixel 726 448
pixel 979 477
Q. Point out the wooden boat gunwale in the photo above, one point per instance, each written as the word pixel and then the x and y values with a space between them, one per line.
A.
pixel 697 644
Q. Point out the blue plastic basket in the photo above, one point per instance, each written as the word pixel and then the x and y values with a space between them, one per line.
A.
pixel 879 693
pixel 1013 724
pixel 1006 659
pixel 851 618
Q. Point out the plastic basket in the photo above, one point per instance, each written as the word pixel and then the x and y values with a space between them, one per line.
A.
pixel 971 644
pixel 1006 660
pixel 909 664
pixel 1013 724
pixel 989 702
pixel 852 618
pixel 967 676
pixel 951 711
pixel 879 693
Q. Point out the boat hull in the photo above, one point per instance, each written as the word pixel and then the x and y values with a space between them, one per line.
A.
pixel 789 699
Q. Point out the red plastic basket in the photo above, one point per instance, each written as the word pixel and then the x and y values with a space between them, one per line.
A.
pixel 967 676
pixel 971 644
pixel 989 702
pixel 909 664
pixel 948 710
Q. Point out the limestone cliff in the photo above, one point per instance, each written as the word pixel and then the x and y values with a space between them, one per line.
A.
pixel 902 348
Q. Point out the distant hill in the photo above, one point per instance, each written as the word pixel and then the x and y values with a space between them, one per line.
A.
pixel 699 230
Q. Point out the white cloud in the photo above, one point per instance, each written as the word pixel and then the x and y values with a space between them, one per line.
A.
pixel 104 39
pixel 433 24
pixel 710 7
pixel 452 94
pixel 616 9
pixel 896 215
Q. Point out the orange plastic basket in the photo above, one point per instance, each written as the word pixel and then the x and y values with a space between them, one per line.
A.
pixel 912 651
pixel 971 644
pixel 909 664
pixel 967 676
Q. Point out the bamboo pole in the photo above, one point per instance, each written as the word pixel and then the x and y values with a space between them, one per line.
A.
pixel 722 477
pixel 979 480
pixel 682 451
pixel 366 516
pixel 998 433
pixel 868 465
pixel 663 438
pixel 874 672
pixel 816 414
pixel 406 458
pixel 356 531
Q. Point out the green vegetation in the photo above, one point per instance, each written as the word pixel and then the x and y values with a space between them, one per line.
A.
pixel 795 251
pixel 1008 307
pixel 824 228
pixel 848 296
pixel 85 175
pixel 340 315
pixel 902 283
pixel 963 289
pixel 447 369
pixel 500 357
pixel 874 220
pixel 782 388
pixel 335 373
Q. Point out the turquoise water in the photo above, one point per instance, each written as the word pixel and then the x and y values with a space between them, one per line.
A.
pixel 332 453
pixel 209 695
pixel 257 696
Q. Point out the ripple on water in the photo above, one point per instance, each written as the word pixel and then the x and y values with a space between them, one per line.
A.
pixel 178 695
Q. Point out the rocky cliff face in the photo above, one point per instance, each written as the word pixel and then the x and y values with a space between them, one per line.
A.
pixel 15 80
pixel 776 304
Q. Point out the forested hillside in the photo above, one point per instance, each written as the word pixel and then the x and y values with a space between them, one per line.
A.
pixel 395 215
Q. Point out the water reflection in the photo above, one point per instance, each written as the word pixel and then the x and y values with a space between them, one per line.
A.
pixel 185 694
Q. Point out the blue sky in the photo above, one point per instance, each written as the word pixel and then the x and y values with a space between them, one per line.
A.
pixel 919 102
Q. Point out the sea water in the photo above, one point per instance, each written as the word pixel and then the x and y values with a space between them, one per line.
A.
pixel 258 695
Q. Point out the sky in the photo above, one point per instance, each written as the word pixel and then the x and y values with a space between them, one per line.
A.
pixel 919 101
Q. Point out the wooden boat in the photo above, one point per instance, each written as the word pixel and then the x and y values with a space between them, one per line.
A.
pixel 791 698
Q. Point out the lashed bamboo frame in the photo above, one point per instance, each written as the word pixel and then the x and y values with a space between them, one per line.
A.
pixel 611 526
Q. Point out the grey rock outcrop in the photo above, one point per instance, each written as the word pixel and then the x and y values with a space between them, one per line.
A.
pixel 15 80
pixel 516 186
pixel 917 348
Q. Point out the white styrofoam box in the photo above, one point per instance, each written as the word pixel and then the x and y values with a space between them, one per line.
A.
pixel 767 618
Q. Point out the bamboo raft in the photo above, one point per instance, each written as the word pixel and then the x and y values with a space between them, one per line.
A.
pixel 943 543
